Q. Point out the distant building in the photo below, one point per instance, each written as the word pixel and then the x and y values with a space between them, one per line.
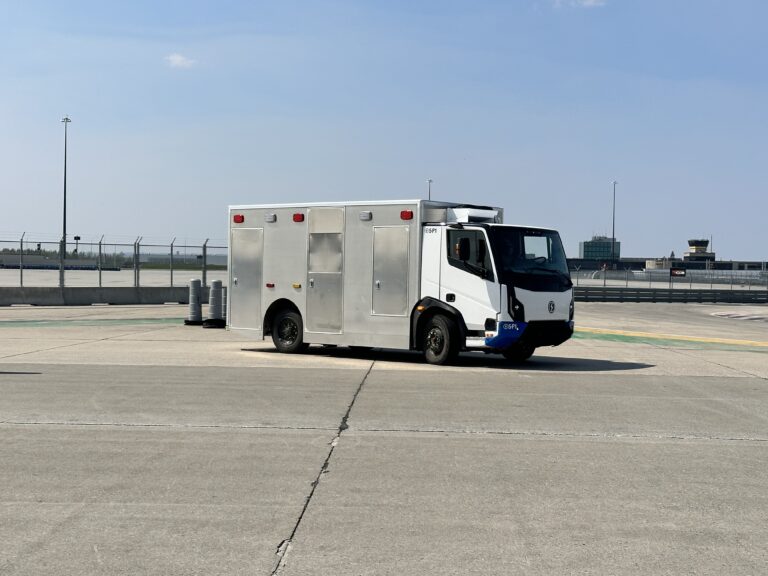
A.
pixel 600 248
pixel 697 252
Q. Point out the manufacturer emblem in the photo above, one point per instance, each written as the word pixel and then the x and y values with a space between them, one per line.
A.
pixel 551 307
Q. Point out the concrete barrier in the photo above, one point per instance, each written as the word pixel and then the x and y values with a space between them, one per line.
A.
pixel 84 296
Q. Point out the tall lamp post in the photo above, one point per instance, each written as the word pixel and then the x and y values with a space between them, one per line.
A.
pixel 429 188
pixel 63 247
pixel 613 227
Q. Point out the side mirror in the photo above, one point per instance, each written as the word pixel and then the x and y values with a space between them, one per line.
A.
pixel 462 249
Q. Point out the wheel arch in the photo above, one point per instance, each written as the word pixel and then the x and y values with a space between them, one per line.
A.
pixel 274 308
pixel 424 311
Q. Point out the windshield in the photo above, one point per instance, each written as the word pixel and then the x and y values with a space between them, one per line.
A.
pixel 527 251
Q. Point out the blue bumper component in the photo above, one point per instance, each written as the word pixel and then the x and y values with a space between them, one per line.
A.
pixel 509 333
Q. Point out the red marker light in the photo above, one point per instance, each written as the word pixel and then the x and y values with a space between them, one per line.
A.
pixel 270 285
pixel 238 219
pixel 298 217
pixel 406 215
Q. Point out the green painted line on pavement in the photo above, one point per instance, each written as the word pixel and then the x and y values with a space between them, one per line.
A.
pixel 676 343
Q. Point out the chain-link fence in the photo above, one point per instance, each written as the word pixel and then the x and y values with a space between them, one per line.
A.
pixel 100 262
pixel 661 278
pixel 104 263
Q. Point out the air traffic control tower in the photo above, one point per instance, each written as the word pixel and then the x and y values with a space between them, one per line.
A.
pixel 698 252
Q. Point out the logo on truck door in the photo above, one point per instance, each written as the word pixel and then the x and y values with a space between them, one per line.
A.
pixel 551 306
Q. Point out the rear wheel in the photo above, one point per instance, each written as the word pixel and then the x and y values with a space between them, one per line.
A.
pixel 288 332
pixel 518 353
pixel 441 340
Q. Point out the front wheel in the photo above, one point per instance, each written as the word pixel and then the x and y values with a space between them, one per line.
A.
pixel 441 340
pixel 288 332
pixel 518 353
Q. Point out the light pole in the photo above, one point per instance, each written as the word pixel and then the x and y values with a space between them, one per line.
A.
pixel 63 248
pixel 613 227
pixel 429 188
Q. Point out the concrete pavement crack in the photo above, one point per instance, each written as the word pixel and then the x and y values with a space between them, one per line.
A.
pixel 285 545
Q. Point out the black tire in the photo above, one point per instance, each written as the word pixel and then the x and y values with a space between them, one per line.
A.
pixel 440 340
pixel 518 353
pixel 288 332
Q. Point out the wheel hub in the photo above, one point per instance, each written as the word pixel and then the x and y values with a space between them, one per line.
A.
pixel 435 340
pixel 287 331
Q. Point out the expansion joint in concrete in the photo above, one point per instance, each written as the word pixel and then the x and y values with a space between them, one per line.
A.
pixel 285 545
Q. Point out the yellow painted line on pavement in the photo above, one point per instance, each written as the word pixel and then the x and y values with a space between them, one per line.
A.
pixel 655 336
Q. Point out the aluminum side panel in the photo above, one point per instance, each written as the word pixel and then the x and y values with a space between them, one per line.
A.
pixel 361 326
pixel 285 259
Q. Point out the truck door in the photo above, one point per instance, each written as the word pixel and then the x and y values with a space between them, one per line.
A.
pixel 390 271
pixel 325 269
pixel 245 278
pixel 469 285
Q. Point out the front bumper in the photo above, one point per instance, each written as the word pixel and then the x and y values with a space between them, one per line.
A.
pixel 536 333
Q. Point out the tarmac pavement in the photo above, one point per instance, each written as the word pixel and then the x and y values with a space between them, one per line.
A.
pixel 131 444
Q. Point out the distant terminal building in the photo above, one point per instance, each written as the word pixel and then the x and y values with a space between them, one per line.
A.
pixel 595 254
pixel 600 248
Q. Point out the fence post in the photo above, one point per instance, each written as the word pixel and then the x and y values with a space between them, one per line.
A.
pixel 100 241
pixel 205 262
pixel 62 250
pixel 136 253
pixel 171 262
pixel 21 260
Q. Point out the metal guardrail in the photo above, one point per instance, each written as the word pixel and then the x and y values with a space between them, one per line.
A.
pixel 618 294
pixel 661 279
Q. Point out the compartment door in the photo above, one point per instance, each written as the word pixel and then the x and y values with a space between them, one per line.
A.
pixel 325 270
pixel 390 271
pixel 245 277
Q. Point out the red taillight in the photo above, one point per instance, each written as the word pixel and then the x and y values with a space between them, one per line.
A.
pixel 270 285
pixel 406 215
pixel 238 219
pixel 298 217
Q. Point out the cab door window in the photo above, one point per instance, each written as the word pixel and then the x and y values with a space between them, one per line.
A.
pixel 468 250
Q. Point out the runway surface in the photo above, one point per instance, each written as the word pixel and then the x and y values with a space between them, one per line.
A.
pixel 131 444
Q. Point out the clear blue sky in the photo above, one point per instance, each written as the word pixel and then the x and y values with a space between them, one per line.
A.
pixel 180 108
